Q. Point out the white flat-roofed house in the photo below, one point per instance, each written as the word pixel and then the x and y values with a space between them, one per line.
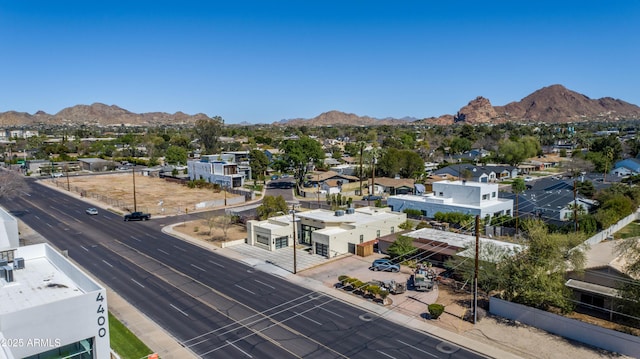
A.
pixel 473 198
pixel 329 233
pixel 220 169
pixel 49 308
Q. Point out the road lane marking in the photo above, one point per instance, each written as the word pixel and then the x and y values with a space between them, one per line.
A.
pixel 416 348
pixel 242 351
pixel 182 249
pixel 107 263
pixel 237 323
pixel 385 354
pixel 245 289
pixel 214 263
pixel 85 248
pixel 196 267
pixel 265 284
pixel 307 318
pixel 176 308
pixel 136 282
pixel 160 250
pixel 334 313
pixel 136 239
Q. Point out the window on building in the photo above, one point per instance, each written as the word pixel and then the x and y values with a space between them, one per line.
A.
pixel 493 195
pixel 361 238
pixel 440 194
pixel 282 242
pixel 485 197
pixel 378 233
pixel 305 234
pixel 322 249
pixel 393 229
pixel 262 239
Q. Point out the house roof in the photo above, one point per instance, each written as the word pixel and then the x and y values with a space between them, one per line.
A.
pixel 394 182
pixel 605 255
pixel 632 164
pixel 323 176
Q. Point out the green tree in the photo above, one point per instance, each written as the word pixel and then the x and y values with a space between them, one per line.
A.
pixel 259 163
pixel 176 155
pixel 271 206
pixel 299 154
pixel 208 132
pixel 536 276
pixel 515 151
pixel 401 247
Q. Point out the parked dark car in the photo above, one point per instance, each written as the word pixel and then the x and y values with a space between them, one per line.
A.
pixel 371 197
pixel 385 265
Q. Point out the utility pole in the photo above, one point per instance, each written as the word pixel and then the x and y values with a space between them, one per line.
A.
pixel 133 172
pixel 517 198
pixel 295 241
pixel 475 275
pixel 575 206
pixel 67 172
pixel 318 192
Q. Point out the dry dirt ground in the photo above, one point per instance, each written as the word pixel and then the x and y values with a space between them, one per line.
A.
pixel 200 229
pixel 153 195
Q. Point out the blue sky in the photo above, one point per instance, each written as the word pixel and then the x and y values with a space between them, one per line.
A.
pixel 263 61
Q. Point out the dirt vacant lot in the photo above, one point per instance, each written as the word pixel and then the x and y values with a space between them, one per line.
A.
pixel 153 195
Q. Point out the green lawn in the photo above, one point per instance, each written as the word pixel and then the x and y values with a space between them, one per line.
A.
pixel 125 343
pixel 631 230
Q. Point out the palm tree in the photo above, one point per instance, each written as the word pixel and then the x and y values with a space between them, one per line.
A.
pixel 375 154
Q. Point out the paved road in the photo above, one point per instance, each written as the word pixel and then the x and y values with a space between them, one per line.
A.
pixel 213 305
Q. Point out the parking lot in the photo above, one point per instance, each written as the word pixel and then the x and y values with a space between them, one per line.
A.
pixel 410 303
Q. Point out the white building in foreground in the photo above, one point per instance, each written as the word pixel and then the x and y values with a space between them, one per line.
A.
pixel 473 198
pixel 329 233
pixel 49 308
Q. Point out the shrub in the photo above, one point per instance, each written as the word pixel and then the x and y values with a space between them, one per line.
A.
pixel 343 279
pixel 373 289
pixel 196 229
pixel 413 212
pixel 435 310
pixel 358 285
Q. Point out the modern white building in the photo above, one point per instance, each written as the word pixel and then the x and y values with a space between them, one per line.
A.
pixel 329 233
pixel 220 169
pixel 473 198
pixel 49 308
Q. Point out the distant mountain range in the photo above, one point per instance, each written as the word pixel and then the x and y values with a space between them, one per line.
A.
pixel 552 104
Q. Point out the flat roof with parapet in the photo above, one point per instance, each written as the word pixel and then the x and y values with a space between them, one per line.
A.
pixel 361 215
pixel 41 281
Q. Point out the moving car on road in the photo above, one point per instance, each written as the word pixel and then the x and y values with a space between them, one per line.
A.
pixel 137 216
pixel 92 211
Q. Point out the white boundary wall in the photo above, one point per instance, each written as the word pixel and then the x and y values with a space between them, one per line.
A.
pixel 593 335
